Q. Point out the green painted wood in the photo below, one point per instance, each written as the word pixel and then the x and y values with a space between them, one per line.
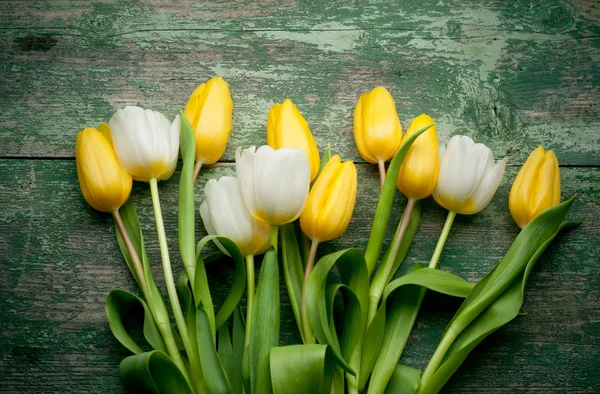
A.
pixel 512 74
pixel 60 261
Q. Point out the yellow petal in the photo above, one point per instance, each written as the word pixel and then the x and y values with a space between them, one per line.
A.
pixel 419 171
pixel 287 128
pixel 104 184
pixel 377 128
pixel 210 112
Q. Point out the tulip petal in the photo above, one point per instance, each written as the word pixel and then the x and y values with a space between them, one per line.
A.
pixel 485 190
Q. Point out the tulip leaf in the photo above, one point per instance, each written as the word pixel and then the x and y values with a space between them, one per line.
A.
pixel 231 350
pixel 496 299
pixel 215 379
pixel 152 373
pixel 293 270
pixel 400 305
pixel 354 285
pixel 131 221
pixel 264 331
pixel 121 303
pixel 405 380
pixel 300 369
pixel 238 285
pixel 386 199
pixel 324 159
pixel 186 222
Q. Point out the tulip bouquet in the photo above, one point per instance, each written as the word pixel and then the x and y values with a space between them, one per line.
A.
pixel 282 204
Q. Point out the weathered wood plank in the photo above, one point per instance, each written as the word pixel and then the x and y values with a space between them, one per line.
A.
pixel 513 75
pixel 59 261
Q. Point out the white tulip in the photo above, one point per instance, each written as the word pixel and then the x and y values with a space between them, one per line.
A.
pixel 274 183
pixel 146 142
pixel 468 176
pixel 224 213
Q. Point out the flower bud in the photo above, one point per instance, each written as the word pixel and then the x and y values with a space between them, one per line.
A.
pixel 210 111
pixel 286 128
pixel 419 172
pixel 104 184
pixel 536 188
pixel 377 128
pixel 330 202
pixel 468 177
pixel 146 142
pixel 274 183
pixel 224 213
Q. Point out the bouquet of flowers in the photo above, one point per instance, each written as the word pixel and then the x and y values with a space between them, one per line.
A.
pixel 284 201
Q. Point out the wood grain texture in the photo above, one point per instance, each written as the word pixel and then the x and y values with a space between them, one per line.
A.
pixel 60 261
pixel 512 74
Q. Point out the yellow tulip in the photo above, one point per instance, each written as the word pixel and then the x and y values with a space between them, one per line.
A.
pixel 330 202
pixel 419 172
pixel 536 188
pixel 209 110
pixel 103 182
pixel 377 128
pixel 286 128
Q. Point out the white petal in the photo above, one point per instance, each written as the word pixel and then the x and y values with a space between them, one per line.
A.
pixel 244 169
pixel 204 213
pixel 457 169
pixel 486 189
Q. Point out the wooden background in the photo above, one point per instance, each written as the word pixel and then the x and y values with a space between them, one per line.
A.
pixel 512 74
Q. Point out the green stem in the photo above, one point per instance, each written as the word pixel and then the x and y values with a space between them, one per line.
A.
pixel 308 335
pixel 250 297
pixel 383 274
pixel 170 283
pixel 197 169
pixel 381 166
pixel 442 240
pixel 274 236
pixel 157 307
pixel 438 355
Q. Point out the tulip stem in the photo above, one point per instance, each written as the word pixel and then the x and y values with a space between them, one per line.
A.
pixel 250 297
pixel 197 169
pixel 162 319
pixel 170 283
pixel 274 236
pixel 442 240
pixel 383 274
pixel 308 335
pixel 381 165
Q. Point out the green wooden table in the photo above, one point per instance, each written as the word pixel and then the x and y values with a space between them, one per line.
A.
pixel 512 74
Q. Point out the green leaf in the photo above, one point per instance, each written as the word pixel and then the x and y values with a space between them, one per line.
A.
pixel 186 222
pixel 152 373
pixel 293 270
pixel 264 330
pixel 120 303
pixel 400 305
pixel 354 279
pixel 215 380
pixel 496 299
pixel 386 199
pixel 324 159
pixel 231 350
pixel 405 380
pixel 301 369
pixel 238 285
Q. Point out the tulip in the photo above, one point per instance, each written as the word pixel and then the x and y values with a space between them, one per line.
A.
pixel 286 128
pixel 536 188
pixel 330 202
pixel 103 182
pixel 468 176
pixel 274 183
pixel 224 213
pixel 419 171
pixel 377 128
pixel 209 110
pixel 467 181
pixel 146 142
